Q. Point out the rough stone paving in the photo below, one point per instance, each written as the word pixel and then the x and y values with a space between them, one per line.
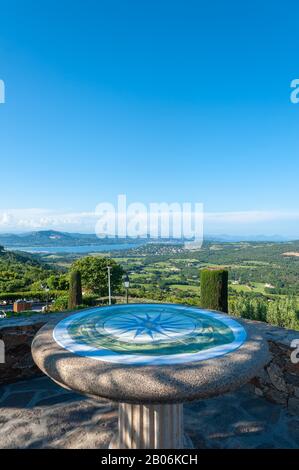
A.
pixel 37 413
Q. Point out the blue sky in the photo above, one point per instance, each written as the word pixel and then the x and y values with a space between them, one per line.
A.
pixel 159 100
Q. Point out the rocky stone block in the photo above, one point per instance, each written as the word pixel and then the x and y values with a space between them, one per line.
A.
pixel 293 406
pixel 276 377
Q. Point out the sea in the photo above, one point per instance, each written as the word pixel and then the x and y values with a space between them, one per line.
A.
pixel 74 249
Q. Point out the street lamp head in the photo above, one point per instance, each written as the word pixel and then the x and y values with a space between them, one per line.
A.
pixel 126 281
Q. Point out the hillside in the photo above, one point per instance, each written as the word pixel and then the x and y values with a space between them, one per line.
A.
pixel 250 265
pixel 18 271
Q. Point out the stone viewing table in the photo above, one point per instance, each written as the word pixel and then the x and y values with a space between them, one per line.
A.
pixel 150 358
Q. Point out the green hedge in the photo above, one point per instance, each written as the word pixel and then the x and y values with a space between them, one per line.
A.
pixel 214 289
pixel 61 303
pixel 282 312
pixel 28 295
pixel 75 290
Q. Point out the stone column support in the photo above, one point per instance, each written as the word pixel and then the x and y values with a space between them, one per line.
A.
pixel 149 427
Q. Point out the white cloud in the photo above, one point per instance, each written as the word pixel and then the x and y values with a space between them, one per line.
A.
pixel 284 223
pixel 250 216
pixel 238 222
pixel 18 220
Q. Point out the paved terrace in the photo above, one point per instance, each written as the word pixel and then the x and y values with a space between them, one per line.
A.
pixel 37 413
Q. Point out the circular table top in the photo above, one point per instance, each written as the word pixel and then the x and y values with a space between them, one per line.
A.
pixel 149 353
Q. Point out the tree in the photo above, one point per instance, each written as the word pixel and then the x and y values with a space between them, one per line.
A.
pixel 75 290
pixel 214 289
pixel 94 274
pixel 58 282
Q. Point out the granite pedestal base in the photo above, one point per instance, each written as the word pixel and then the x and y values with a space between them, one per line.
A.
pixel 149 427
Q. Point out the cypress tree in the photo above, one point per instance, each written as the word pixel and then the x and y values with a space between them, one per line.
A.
pixel 75 290
pixel 214 289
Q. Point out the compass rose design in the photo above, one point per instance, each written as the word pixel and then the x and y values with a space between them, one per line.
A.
pixel 145 327
pixel 148 334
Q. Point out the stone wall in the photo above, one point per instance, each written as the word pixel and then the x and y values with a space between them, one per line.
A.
pixel 17 334
pixel 278 381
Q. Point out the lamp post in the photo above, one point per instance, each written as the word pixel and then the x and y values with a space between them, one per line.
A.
pixel 127 285
pixel 109 283
pixel 46 289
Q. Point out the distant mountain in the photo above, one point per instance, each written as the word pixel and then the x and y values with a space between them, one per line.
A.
pixel 48 238
pixel 247 238
pixel 52 238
